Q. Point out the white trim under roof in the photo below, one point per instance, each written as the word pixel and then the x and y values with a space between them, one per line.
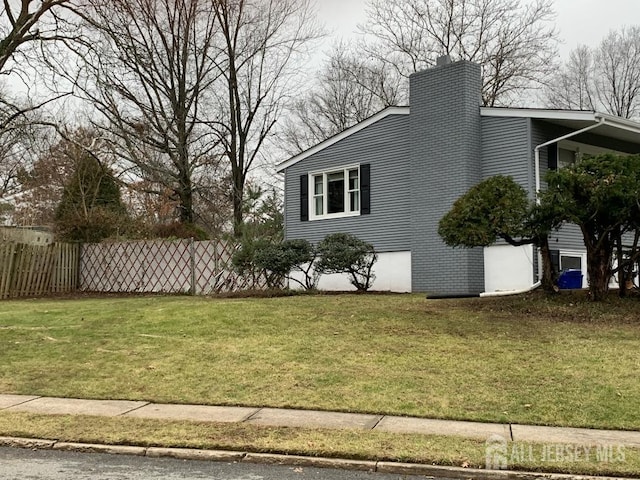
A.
pixel 342 135
pixel 567 115
pixel 609 125
pixel 619 122
pixel 541 113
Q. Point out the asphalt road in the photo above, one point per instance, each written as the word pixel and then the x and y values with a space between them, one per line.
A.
pixel 16 463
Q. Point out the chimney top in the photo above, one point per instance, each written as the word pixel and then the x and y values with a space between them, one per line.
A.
pixel 443 60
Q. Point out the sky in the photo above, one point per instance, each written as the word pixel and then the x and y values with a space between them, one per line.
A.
pixel 578 21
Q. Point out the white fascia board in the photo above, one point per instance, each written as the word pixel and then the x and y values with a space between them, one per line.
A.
pixel 584 115
pixel 342 135
pixel 619 122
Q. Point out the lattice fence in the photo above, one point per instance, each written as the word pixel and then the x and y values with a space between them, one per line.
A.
pixel 161 266
pixel 36 270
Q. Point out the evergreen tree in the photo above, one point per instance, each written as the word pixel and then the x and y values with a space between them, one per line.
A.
pixel 91 209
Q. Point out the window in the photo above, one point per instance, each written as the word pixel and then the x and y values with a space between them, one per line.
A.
pixel 568 152
pixel 335 193
pixel 570 262
pixel 567 157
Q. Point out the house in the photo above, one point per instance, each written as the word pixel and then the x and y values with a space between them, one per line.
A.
pixel 27 235
pixel 389 180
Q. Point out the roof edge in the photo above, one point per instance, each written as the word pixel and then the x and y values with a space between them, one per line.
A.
pixel 541 113
pixel 342 135
pixel 551 114
pixel 619 122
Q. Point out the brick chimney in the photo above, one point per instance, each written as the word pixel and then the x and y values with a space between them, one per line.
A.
pixel 445 162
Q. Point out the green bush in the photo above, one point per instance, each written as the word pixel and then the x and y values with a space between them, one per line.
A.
pixel 90 209
pixel 179 230
pixel 280 259
pixel 346 253
pixel 244 260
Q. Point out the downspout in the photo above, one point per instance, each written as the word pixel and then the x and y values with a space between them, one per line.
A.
pixel 536 154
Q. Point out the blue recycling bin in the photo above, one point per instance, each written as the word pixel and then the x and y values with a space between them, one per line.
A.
pixel 570 279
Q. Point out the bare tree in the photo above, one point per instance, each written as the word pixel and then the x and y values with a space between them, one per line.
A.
pixel 27 21
pixel 572 86
pixel 27 27
pixel 262 44
pixel 617 80
pixel 604 78
pixel 347 91
pixel 514 42
pixel 149 67
pixel 15 154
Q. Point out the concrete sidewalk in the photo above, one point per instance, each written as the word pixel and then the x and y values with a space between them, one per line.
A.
pixel 316 419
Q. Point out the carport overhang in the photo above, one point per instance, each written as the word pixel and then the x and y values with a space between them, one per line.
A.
pixel 576 121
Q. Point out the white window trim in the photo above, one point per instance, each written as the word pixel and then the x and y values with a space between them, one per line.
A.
pixel 325 197
pixel 583 256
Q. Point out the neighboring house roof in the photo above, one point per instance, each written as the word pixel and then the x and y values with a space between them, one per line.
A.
pixel 342 135
pixel 608 125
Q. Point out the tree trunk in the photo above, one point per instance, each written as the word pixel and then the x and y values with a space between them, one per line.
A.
pixel 237 194
pixel 598 269
pixel 186 200
pixel 546 281
pixel 623 269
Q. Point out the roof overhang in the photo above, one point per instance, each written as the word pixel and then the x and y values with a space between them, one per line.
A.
pixel 342 135
pixel 609 125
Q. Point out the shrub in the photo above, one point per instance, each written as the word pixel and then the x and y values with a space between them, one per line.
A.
pixel 90 209
pixel 179 230
pixel 280 259
pixel 244 259
pixel 346 253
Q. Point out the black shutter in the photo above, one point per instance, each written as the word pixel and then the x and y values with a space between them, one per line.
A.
pixel 365 189
pixel 304 198
pixel 552 156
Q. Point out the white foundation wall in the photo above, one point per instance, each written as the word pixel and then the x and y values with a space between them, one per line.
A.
pixel 392 270
pixel 508 268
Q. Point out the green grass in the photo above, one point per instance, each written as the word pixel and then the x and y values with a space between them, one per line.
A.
pixel 560 361
pixel 351 444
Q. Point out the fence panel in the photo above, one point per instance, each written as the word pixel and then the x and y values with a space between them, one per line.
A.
pixel 157 266
pixel 144 267
pixel 64 275
pixel 7 257
pixel 163 266
pixel 36 270
pixel 214 272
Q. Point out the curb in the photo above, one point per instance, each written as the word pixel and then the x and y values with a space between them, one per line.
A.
pixel 434 471
pixel 302 461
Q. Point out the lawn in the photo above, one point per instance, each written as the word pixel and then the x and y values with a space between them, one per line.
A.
pixel 560 361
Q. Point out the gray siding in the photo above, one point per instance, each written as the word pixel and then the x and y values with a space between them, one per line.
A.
pixel 385 146
pixel 569 236
pixel 445 163
pixel 505 150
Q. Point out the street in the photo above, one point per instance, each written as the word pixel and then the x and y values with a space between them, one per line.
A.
pixel 25 464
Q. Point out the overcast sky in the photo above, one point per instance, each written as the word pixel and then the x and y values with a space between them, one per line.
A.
pixel 579 21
